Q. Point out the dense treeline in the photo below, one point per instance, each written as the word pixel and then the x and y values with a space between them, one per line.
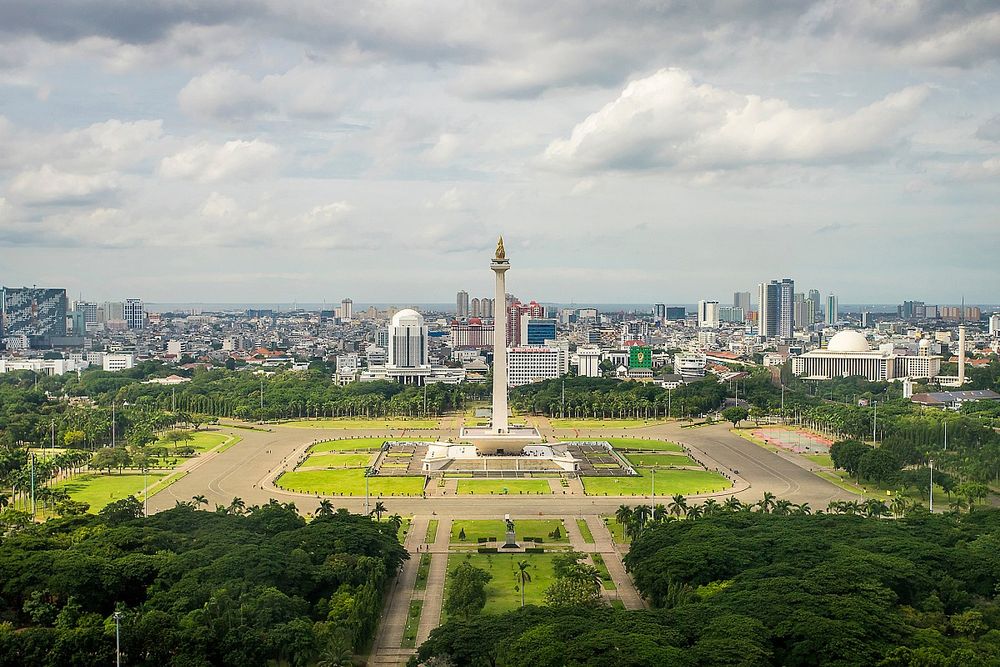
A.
pixel 612 398
pixel 231 587
pixel 760 589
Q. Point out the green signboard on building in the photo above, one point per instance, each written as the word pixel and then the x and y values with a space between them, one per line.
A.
pixel 640 356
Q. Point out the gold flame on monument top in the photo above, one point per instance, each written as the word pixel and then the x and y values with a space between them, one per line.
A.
pixel 500 251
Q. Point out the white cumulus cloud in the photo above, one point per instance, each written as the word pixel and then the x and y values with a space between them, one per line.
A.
pixel 48 185
pixel 208 163
pixel 668 121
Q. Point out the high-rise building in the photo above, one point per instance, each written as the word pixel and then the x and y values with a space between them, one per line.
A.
pixel 708 314
pixel 38 313
pixel 487 307
pixel 515 313
pixel 471 334
pixel 866 319
pixel 134 313
pixel 676 312
pixel 995 324
pixel 742 300
pixel 814 296
pixel 588 361
pixel 407 340
pixel 776 307
pixel 731 314
pixel 804 311
pixel 659 311
pixel 535 330
pixel 89 310
pixel 832 310
pixel 462 304
pixel 531 364
pixel 346 309
pixel 475 308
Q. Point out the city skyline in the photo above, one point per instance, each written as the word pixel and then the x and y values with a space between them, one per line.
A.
pixel 240 153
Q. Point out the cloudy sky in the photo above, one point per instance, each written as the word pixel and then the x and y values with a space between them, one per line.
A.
pixel 266 150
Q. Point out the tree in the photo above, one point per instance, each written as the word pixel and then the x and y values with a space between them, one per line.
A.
pixel 879 466
pixel 325 508
pixel 199 500
pixel 847 454
pixel 523 576
pixel 121 511
pixel 677 505
pixel 176 436
pixel 379 510
pixel 972 492
pixel 467 592
pixel 735 414
pixel 766 503
pixel 74 438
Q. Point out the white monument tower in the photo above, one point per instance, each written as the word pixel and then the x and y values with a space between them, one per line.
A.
pixel 500 264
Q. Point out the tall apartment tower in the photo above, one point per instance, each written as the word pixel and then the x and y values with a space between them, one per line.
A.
pixel 742 300
pixel 832 310
pixel 462 304
pixel 134 313
pixel 777 308
pixel 346 309
pixel 708 314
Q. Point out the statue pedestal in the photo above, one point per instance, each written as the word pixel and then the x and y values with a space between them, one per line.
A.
pixel 509 541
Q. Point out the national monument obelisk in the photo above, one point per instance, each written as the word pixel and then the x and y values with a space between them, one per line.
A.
pixel 500 264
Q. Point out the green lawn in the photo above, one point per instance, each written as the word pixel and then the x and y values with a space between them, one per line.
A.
pixel 393 423
pixel 351 444
pixel 617 530
pixel 604 423
pixel 432 531
pixel 659 460
pixel 99 490
pixel 503 486
pixel 412 624
pixel 606 581
pixel 638 444
pixel 474 529
pixel 423 570
pixel 202 441
pixel 588 537
pixel 820 459
pixel 501 595
pixel 668 482
pixel 349 482
pixel 325 460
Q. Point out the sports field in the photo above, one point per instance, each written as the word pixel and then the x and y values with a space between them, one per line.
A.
pixel 476 528
pixel 99 490
pixel 501 595
pixel 668 482
pixel 393 423
pixel 794 440
pixel 350 482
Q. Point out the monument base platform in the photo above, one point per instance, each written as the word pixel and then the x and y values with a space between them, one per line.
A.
pixel 490 443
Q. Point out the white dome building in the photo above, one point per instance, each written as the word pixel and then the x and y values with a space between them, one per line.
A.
pixel 849 354
pixel 408 340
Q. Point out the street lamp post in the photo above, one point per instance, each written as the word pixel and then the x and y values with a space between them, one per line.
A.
pixel 118 639
pixel 932 484
pixel 652 483
pixel 367 501
pixel 874 420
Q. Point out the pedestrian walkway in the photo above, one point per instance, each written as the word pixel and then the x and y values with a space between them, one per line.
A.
pixel 604 545
pixel 430 617
pixel 389 636
pixel 575 536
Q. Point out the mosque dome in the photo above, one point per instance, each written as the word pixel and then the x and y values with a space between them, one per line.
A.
pixel 848 341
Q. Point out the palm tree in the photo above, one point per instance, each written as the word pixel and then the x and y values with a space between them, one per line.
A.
pixel 898 506
pixel 803 508
pixel 325 507
pixel 678 505
pixel 396 522
pixel 379 510
pixel 199 499
pixel 766 504
pixel 523 576
pixel 642 514
pixel 695 512
pixel 623 514
pixel 783 507
pixel 659 512
pixel 957 504
pixel 710 507
pixel 236 506
pixel 732 504
pixel 874 508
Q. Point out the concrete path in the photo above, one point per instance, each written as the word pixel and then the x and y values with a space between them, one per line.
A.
pixel 575 536
pixel 604 545
pixel 430 617
pixel 389 636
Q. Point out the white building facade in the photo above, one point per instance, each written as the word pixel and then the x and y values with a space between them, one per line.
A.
pixel 532 364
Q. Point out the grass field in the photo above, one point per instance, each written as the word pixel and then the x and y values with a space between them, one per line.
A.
pixel 393 423
pixel 201 441
pixel 637 444
pixel 474 529
pixel 99 490
pixel 604 423
pixel 503 486
pixel 501 595
pixel 606 581
pixel 350 482
pixel 337 461
pixel 423 570
pixel 432 531
pixel 668 482
pixel 617 530
pixel 820 459
pixel 412 624
pixel 659 460
pixel 347 445
pixel 588 537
